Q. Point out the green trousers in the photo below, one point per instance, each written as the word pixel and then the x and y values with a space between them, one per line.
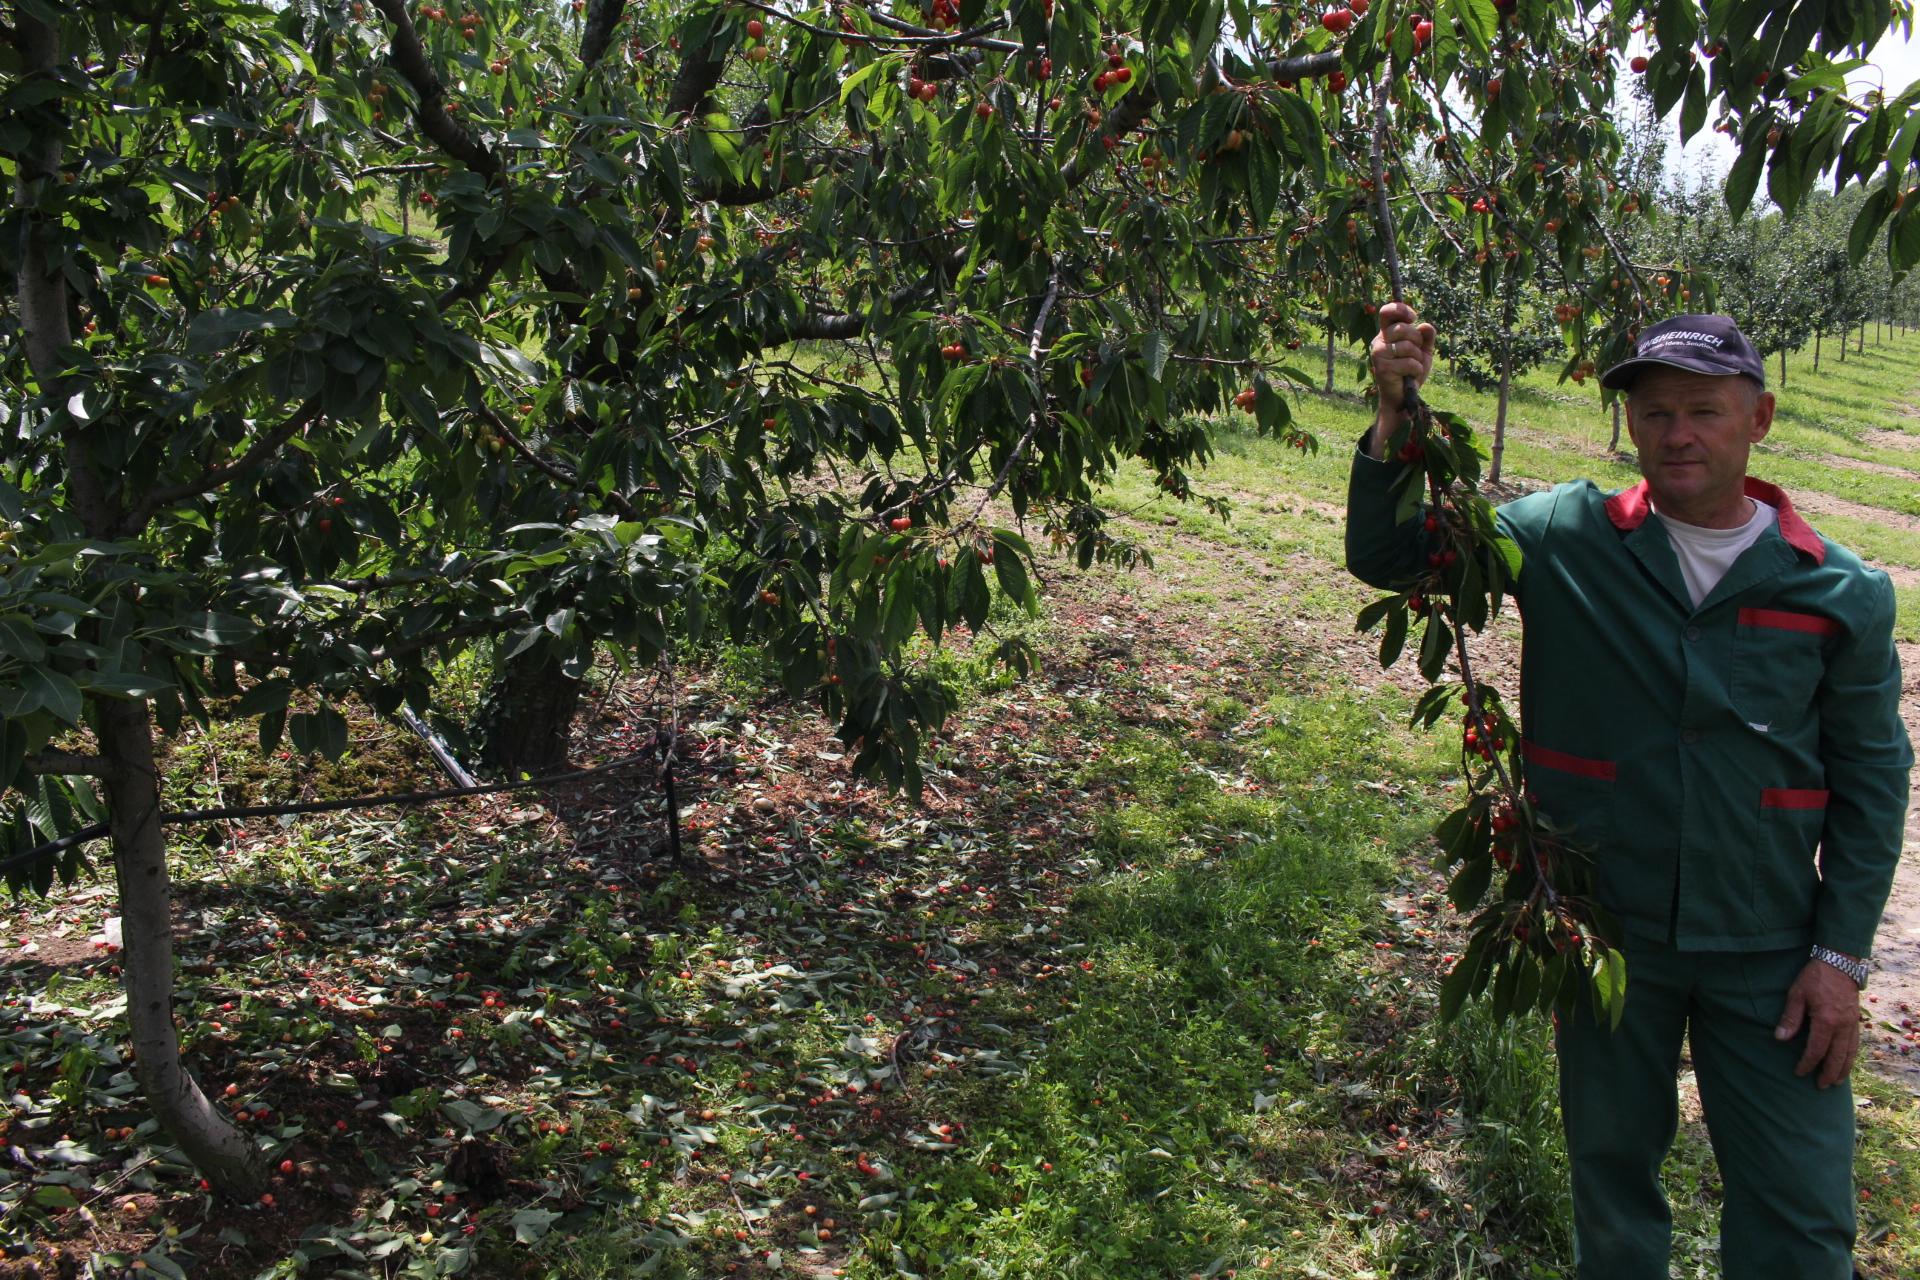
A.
pixel 1784 1147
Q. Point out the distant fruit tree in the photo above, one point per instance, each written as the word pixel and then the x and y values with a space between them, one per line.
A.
pixel 345 337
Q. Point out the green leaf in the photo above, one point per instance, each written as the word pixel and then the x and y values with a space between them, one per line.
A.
pixel 217 327
pixel 267 696
pixel 853 83
pixel 123 684
pixel 1470 883
pixel 1693 110
pixel 44 688
pixel 530 1226
pixel 1435 644
pixel 1460 981
pixel 323 730
pixel 1610 986
pixel 1263 184
pixel 218 629
pixel 1012 573
pixel 1744 177
pixel 1866 224
pixel 1395 638
pixel 55 1196
pixel 1372 614
pixel 1155 347
pixel 1479 22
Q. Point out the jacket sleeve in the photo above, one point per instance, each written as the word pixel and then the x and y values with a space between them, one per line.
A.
pixel 1867 757
pixel 1381 551
pixel 1392 555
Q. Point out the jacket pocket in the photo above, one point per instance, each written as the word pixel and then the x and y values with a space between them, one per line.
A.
pixel 1575 793
pixel 1778 659
pixel 1786 877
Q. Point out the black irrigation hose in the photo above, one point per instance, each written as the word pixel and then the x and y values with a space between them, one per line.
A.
pixel 98 829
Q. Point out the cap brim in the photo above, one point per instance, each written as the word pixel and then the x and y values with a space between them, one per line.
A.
pixel 1621 376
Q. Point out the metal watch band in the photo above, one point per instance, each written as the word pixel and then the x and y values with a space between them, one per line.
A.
pixel 1855 969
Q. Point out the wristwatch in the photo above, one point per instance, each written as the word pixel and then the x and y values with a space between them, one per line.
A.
pixel 1855 969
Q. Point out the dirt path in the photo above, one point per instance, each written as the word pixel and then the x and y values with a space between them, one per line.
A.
pixel 1894 992
pixel 1884 439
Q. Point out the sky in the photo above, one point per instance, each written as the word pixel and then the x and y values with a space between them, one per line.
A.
pixel 1894 64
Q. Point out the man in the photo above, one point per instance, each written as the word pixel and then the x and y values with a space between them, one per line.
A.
pixel 1709 701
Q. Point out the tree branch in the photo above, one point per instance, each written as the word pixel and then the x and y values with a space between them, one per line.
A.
pixel 465 631
pixel 698 74
pixel 602 17
pixel 65 764
pixel 410 60
pixel 1307 66
pixel 551 469
pixel 262 449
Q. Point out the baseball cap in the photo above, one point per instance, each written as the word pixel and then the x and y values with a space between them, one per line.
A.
pixel 1703 344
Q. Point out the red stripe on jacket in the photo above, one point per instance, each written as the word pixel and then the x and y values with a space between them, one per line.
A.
pixel 1560 760
pixel 1788 798
pixel 1789 620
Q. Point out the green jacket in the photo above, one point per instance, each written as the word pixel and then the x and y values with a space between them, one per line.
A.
pixel 1739 769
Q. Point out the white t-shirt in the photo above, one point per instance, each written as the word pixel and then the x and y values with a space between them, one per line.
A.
pixel 1706 554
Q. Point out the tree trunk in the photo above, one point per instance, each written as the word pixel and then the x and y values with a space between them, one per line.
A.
pixel 1329 355
pixel 1613 445
pixel 1783 366
pixel 1500 417
pixel 526 721
pixel 124 729
pixel 1861 349
pixel 222 1153
pixel 1816 351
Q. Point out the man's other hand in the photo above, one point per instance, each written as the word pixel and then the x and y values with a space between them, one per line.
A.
pixel 1402 349
pixel 1826 1002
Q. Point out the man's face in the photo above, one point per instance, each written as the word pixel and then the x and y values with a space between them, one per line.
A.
pixel 1694 432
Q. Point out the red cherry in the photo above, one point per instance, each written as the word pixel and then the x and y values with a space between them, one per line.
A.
pixel 1122 75
pixel 755 28
pixel 1338 80
pixel 984 110
pixel 1358 6
pixel 1638 65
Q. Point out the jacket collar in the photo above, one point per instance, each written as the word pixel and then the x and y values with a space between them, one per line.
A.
pixel 1630 508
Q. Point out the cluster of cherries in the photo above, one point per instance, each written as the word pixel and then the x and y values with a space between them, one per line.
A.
pixel 1118 73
